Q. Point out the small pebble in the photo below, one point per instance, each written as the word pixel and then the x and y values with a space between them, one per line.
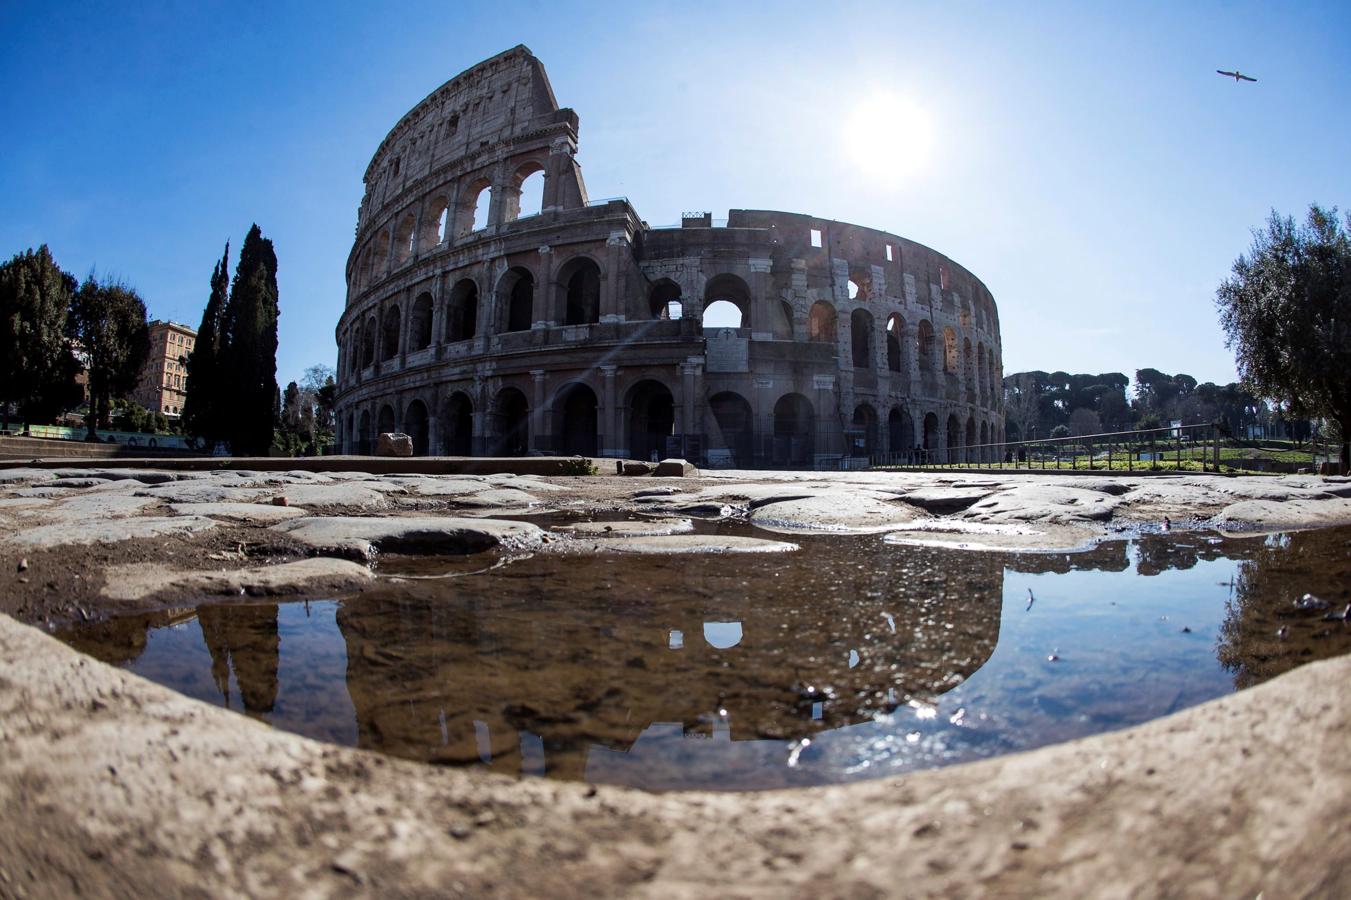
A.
pixel 23 564
pixel 281 501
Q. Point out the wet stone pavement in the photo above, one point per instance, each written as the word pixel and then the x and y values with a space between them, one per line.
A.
pixel 851 657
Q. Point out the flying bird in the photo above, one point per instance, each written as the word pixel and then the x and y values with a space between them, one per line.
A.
pixel 1236 75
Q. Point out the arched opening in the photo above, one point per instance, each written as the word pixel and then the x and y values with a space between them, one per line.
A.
pixel 462 311
pixel 821 323
pixel 924 345
pixel 478 219
pixel 954 438
pixel 420 323
pixel 530 201
pixel 510 424
pixel 457 423
pixel 385 423
pixel 721 291
pixel 389 334
pixel 993 375
pixel 853 289
pixel 930 435
pixel 405 241
pixel 733 419
pixel 663 301
pixel 864 437
pixel 575 420
pixel 900 432
pixel 861 338
pixel 860 286
pixel 722 314
pixel 368 343
pixel 651 420
pixel 985 454
pixel 895 336
pixel 415 426
pixel 579 286
pixel 435 222
pixel 363 442
pixel 970 438
pixel 516 300
pixel 794 431
pixel 949 350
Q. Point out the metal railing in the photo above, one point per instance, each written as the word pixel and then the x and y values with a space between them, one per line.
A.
pixel 1184 447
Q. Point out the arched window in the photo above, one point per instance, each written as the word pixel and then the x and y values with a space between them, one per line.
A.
pixel 895 345
pixel 385 423
pixel 821 323
pixel 420 323
pixel 721 292
pixel 579 291
pixel 389 334
pixel 404 241
pixel 516 300
pixel 482 202
pixel 457 425
pixel 861 338
pixel 663 301
pixel 530 188
pixel 575 420
pixel 368 334
pixel 509 424
pixel 794 431
pixel 651 419
pixel 954 439
pixel 415 422
pixel 924 345
pixel 435 222
pixel 462 311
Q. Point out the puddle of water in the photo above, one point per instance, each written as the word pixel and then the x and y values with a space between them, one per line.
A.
pixel 851 659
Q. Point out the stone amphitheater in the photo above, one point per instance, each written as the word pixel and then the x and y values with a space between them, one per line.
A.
pixel 490 314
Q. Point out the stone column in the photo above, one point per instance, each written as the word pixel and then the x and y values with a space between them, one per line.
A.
pixel 761 312
pixel 560 160
pixel 611 298
pixel 543 314
pixel 538 425
pixel 607 442
pixel 762 421
pixel 828 436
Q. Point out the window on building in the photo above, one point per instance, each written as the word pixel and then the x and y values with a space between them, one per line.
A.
pixel 816 237
pixel 890 258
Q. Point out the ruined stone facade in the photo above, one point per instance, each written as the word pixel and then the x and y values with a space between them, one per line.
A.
pixel 480 328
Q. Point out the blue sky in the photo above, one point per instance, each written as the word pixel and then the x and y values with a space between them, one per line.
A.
pixel 1083 159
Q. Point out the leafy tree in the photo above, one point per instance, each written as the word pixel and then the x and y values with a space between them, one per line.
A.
pixel 249 347
pixel 109 320
pixel 204 409
pixel 1022 404
pixel 37 368
pixel 1286 312
pixel 1084 421
pixel 1060 431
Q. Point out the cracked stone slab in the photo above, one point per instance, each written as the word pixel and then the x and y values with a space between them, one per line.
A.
pixel 261 513
pixel 688 543
pixel 1271 515
pixel 360 537
pixel 630 528
pixel 337 494
pixel 203 491
pixel 110 531
pixel 1044 503
pixel 841 512
pixel 323 573
pixel 944 500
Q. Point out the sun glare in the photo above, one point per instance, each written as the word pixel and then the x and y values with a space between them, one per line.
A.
pixel 889 137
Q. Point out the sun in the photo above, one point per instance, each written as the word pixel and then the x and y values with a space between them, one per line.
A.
pixel 889 137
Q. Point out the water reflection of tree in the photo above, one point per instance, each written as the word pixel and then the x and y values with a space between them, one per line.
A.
pixel 244 638
pixel 1264 632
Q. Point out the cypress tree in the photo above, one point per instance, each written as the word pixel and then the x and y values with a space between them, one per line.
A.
pixel 248 354
pixel 202 410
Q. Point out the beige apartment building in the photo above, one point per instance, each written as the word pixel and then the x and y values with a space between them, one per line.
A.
pixel 164 380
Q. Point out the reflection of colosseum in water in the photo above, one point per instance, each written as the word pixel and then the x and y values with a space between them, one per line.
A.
pixel 481 328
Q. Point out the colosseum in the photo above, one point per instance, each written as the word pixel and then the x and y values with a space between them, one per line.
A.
pixel 494 309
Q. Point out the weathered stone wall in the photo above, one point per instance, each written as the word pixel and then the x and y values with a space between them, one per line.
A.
pixel 577 328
